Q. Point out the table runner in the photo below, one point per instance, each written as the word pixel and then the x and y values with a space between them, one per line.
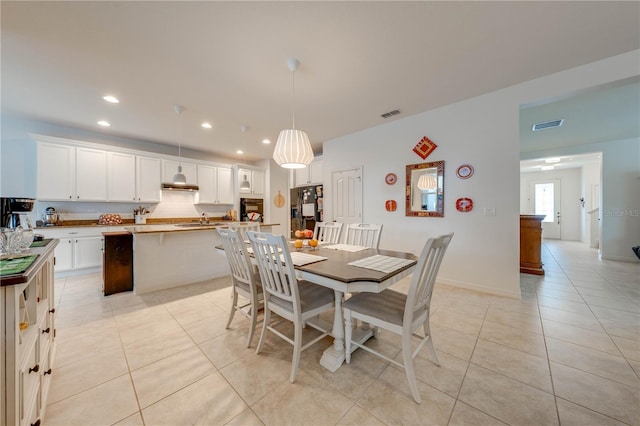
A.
pixel 381 263
pixel 16 265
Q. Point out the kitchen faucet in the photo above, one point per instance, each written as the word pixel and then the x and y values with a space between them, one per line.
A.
pixel 204 219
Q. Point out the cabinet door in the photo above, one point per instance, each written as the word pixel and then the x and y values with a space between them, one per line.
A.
pixel 121 176
pixel 301 176
pixel 315 172
pixel 148 179
pixel 224 185
pixel 56 172
pixel 207 194
pixel 88 252
pixel 64 255
pixel 170 168
pixel 91 174
pixel 257 186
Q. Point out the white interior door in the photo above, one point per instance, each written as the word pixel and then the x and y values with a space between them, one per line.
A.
pixel 347 190
pixel 546 201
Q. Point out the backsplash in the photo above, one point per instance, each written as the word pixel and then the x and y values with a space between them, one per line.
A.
pixel 174 204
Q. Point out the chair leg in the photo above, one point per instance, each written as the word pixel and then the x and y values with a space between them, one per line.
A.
pixel 297 345
pixel 265 323
pixel 234 304
pixel 254 320
pixel 427 335
pixel 408 367
pixel 348 331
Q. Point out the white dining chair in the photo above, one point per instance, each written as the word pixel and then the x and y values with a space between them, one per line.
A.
pixel 363 234
pixel 243 227
pixel 289 297
pixel 245 279
pixel 401 314
pixel 327 232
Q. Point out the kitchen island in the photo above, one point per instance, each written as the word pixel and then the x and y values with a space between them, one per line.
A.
pixel 166 256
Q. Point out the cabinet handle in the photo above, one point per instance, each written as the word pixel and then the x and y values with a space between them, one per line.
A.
pixel 37 423
pixel 78 197
pixel 34 369
pixel 52 311
pixel 46 330
pixel 70 197
pixel 47 372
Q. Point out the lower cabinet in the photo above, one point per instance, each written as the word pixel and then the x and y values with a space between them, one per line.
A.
pixel 28 319
pixel 79 248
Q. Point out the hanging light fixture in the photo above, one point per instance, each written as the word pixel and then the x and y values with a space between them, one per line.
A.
pixel 245 184
pixel 427 182
pixel 293 149
pixel 179 180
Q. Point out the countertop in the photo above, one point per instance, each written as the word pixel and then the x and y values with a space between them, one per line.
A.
pixel 34 268
pixel 148 229
pixel 152 223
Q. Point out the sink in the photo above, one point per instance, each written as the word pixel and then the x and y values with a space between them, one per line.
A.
pixel 197 225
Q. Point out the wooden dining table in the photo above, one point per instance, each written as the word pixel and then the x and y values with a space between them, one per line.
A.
pixel 336 273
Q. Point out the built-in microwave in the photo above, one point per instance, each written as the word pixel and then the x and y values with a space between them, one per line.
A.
pixel 251 205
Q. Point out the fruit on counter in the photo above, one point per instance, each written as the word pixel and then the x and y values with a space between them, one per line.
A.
pixel 313 242
pixel 299 233
pixel 308 233
pixel 297 244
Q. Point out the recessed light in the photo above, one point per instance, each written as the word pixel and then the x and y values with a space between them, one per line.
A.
pixel 266 141
pixel 239 151
pixel 111 99
pixel 545 168
pixel 104 123
pixel 206 125
pixel 552 160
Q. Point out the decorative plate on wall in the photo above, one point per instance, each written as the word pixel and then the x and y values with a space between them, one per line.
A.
pixel 424 147
pixel 465 171
pixel 391 178
pixel 464 204
pixel 390 205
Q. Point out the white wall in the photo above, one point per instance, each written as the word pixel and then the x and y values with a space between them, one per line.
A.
pixel 482 131
pixel 591 178
pixel 570 192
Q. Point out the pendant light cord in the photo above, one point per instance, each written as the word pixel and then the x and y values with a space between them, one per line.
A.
pixel 180 138
pixel 293 99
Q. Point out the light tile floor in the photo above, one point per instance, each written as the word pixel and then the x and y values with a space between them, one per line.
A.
pixel 567 353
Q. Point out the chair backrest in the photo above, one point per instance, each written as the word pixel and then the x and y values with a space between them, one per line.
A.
pixel 276 268
pixel 246 226
pixel 327 232
pixel 363 234
pixel 236 252
pixel 424 278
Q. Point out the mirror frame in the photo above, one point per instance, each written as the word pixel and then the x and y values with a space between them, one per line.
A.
pixel 439 212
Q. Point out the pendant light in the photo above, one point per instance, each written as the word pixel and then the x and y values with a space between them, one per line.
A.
pixel 245 184
pixel 179 178
pixel 293 149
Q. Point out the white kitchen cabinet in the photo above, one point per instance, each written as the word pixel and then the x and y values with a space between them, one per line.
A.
pixel 64 255
pixel 79 248
pixel 310 175
pixel 121 176
pixel 215 185
pixel 91 174
pixel 88 252
pixel 27 336
pixel 256 180
pixel 170 168
pixel 148 179
pixel 56 172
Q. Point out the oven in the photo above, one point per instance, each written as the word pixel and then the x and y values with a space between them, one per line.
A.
pixel 249 206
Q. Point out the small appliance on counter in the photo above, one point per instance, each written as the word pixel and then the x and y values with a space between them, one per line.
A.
pixel 50 217
pixel 12 208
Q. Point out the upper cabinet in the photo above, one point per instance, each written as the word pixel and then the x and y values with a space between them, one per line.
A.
pixel 170 168
pixel 215 185
pixel 148 179
pixel 70 173
pixel 256 179
pixel 310 175
pixel 122 171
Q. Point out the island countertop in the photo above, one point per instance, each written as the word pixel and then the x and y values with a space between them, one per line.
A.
pixel 194 226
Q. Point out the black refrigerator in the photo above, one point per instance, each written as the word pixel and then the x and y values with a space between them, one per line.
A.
pixel 306 207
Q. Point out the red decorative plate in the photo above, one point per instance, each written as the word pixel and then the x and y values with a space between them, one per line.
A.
pixel 391 178
pixel 464 204
pixel 465 171
pixel 390 205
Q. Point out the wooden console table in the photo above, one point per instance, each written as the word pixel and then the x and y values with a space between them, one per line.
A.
pixel 531 244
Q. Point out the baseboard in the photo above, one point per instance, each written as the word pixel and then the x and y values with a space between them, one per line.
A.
pixel 481 288
pixel 631 259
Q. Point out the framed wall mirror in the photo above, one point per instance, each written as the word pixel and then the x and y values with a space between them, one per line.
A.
pixel 425 189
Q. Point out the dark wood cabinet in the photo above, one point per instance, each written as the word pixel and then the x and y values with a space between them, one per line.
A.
pixel 118 262
pixel 531 244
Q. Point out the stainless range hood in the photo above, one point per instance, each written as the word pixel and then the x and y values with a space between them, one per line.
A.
pixel 171 186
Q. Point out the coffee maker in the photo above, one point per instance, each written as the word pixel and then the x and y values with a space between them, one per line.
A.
pixel 12 208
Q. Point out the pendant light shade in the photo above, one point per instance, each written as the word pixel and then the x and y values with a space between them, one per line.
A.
pixel 179 178
pixel 293 149
pixel 427 182
pixel 245 183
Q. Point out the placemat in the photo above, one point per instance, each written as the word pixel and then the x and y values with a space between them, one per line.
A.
pixel 41 243
pixel 346 247
pixel 300 258
pixel 381 263
pixel 16 265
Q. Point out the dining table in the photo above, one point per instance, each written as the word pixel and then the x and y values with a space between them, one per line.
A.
pixel 337 272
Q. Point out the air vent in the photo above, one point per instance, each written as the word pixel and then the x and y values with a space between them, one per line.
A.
pixel 390 113
pixel 547 125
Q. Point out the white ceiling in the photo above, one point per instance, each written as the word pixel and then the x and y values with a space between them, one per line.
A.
pixel 226 62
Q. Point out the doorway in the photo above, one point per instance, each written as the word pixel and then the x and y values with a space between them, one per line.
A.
pixel 347 198
pixel 545 196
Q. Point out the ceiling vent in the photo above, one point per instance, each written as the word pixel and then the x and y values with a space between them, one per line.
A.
pixel 547 125
pixel 390 113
